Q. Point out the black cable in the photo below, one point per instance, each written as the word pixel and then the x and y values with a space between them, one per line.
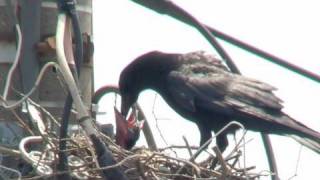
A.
pixel 265 55
pixel 63 158
pixel 206 33
pixel 161 6
pixel 68 7
pixel 12 17
pixel 78 41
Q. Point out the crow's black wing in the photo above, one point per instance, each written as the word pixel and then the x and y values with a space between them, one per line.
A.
pixel 194 92
pixel 203 82
pixel 196 86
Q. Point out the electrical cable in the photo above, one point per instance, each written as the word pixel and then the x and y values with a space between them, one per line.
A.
pixel 161 7
pixel 206 33
pixel 67 75
pixel 36 84
pixel 19 45
pixel 69 8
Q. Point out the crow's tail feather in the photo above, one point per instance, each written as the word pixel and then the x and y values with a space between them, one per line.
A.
pixel 307 142
pixel 301 133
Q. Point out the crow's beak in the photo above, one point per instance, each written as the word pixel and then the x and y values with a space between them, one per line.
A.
pixel 121 122
pixel 125 106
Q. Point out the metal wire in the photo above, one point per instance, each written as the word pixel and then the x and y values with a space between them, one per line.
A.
pixel 161 6
pixel 5 104
pixel 9 173
pixel 19 47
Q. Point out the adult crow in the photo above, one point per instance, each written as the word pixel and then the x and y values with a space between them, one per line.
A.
pixel 201 89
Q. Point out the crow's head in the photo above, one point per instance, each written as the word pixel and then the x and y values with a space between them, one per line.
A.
pixel 146 71
pixel 127 131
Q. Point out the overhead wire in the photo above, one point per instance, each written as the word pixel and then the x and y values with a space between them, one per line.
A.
pixel 161 6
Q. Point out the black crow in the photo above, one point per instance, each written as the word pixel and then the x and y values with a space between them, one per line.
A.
pixel 201 89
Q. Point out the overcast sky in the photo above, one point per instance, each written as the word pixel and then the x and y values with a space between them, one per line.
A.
pixel 124 30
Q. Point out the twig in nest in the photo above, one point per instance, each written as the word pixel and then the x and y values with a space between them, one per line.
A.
pixel 187 145
pixel 194 166
pixel 22 123
pixel 150 158
pixel 141 170
pixel 155 176
pixel 44 111
pixel 225 170
pixel 178 147
pixel 194 156
pixel 205 145
pixel 235 157
pixel 119 163
pixel 244 169
pixel 20 120
pixel 5 150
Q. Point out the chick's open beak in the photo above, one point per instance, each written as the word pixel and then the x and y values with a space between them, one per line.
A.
pixel 132 120
pixel 127 131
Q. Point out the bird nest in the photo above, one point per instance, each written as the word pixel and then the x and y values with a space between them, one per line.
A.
pixel 139 163
pixel 143 163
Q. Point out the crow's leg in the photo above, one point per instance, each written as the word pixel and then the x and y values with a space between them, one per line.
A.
pixel 205 134
pixel 222 143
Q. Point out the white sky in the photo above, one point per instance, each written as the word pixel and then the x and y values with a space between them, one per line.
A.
pixel 124 30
